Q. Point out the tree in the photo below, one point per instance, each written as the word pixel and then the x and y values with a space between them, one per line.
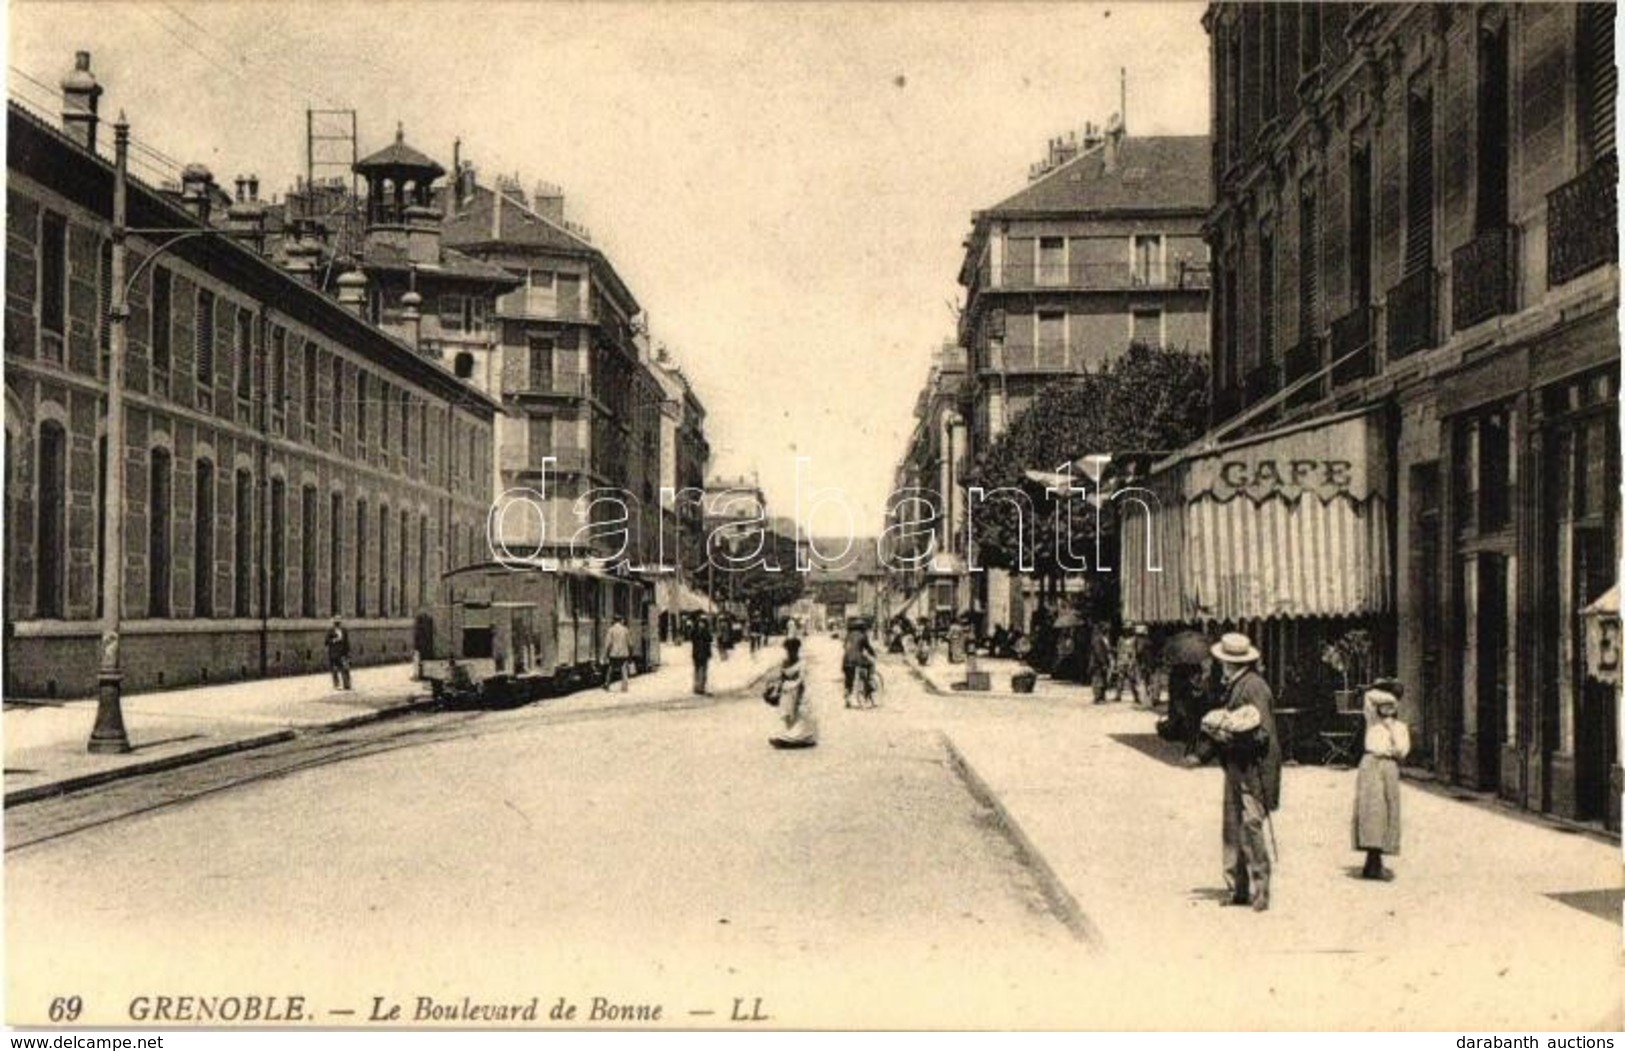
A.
pixel 1147 400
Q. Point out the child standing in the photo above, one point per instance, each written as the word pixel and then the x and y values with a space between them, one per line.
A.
pixel 1376 789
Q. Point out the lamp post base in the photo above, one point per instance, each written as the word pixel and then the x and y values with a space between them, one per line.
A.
pixel 109 737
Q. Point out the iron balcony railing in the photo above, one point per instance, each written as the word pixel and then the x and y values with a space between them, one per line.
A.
pixel 1226 403
pixel 526 461
pixel 1582 222
pixel 1093 277
pixel 1483 284
pixel 1353 346
pixel 1263 381
pixel 1301 362
pixel 555 385
pixel 1410 313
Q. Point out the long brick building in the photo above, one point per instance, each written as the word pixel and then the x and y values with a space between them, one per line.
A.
pixel 262 495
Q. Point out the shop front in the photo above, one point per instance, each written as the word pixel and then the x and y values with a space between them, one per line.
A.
pixel 1285 536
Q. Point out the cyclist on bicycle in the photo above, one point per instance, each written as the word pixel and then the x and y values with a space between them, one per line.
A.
pixel 858 656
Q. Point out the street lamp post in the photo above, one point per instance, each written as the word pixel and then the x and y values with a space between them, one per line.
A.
pixel 109 736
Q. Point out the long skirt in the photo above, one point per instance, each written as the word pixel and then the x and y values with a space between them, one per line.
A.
pixel 1376 805
pixel 799 731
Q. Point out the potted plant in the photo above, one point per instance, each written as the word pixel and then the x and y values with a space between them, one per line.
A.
pixel 1350 657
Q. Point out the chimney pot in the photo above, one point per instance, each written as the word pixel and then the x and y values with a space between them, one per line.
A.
pixel 81 97
pixel 253 187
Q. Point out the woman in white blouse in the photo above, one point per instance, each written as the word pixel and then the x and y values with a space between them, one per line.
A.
pixel 1376 789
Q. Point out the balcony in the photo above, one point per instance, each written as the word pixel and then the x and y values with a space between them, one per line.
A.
pixel 1483 284
pixel 1410 313
pixel 1262 382
pixel 1301 362
pixel 1226 403
pixel 558 386
pixel 1096 277
pixel 1354 346
pixel 1582 223
pixel 527 462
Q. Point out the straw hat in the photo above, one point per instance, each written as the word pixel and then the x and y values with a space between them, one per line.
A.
pixel 1235 648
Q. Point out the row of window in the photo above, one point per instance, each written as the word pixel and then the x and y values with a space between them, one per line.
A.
pixel 1482 281
pixel 396 407
pixel 396 589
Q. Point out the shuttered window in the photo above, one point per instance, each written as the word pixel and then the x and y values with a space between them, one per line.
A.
pixel 1598 81
pixel 1360 227
pixel 1419 184
pixel 203 338
pixel 1266 298
pixel 1308 270
pixel 1494 80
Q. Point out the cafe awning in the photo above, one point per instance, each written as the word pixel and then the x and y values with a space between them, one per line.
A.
pixel 1293 523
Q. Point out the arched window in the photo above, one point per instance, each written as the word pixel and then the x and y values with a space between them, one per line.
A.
pixel 361 558
pixel 203 541
pixel 159 480
pixel 51 536
pixel 242 560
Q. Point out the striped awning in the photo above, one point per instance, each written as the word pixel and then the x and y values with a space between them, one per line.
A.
pixel 1284 525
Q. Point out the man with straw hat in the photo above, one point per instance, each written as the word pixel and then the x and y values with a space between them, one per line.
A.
pixel 1242 733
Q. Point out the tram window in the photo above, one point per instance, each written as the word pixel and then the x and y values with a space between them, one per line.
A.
pixel 476 643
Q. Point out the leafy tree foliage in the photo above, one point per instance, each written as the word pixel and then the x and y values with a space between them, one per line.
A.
pixel 1147 400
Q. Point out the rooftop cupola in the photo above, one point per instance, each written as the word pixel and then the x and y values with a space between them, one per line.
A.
pixel 398 178
pixel 401 216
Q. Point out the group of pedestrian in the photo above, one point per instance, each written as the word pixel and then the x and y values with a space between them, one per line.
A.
pixel 1126 668
pixel 1240 733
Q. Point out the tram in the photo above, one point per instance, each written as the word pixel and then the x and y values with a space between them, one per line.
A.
pixel 510 632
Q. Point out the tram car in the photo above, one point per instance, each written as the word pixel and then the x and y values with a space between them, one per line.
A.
pixel 508 633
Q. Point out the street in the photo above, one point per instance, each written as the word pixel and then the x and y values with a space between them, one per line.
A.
pixel 660 854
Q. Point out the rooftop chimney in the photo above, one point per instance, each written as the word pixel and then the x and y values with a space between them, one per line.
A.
pixel 549 202
pixel 197 191
pixel 1114 141
pixel 80 97
pixel 353 291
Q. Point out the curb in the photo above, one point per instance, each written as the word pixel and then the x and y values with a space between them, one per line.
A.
pixel 1055 892
pixel 49 790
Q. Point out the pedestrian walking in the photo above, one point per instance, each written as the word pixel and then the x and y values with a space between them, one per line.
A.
pixel 1101 677
pixel 1376 786
pixel 618 654
pixel 338 654
pixel 795 703
pixel 699 641
pixel 1245 741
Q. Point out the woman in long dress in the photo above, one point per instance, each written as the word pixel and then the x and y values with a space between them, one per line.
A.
pixel 795 704
pixel 1376 788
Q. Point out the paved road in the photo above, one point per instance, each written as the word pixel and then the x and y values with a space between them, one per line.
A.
pixel 657 855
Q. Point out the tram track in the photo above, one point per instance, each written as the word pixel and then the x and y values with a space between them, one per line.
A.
pixel 55 818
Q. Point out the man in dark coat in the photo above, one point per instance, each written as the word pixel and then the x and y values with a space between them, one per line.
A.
pixel 338 654
pixel 1252 771
pixel 700 646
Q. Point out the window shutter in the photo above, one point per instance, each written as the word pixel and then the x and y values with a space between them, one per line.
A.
pixel 1419 186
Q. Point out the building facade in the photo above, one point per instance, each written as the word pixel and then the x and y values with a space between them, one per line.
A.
pixel 1415 298
pixel 926 516
pixel 266 490
pixel 578 388
pixel 1102 250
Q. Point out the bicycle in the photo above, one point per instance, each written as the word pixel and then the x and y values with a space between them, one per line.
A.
pixel 870 685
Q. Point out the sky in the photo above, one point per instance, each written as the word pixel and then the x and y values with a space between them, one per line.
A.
pixel 784 187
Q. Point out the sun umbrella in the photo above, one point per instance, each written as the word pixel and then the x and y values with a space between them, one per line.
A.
pixel 1188 647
